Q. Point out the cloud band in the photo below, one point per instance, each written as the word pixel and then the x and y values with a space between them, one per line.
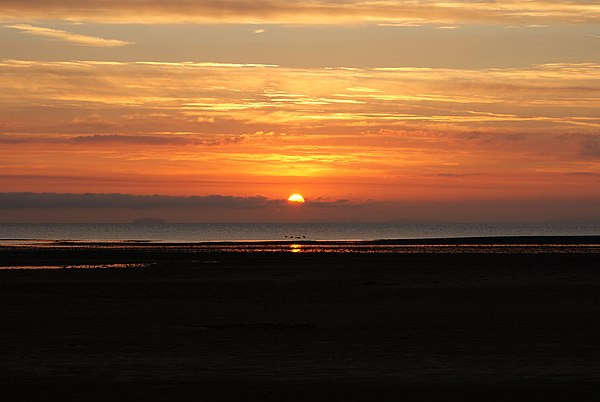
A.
pixel 303 11
pixel 83 40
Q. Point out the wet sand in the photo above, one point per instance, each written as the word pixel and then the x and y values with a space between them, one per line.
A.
pixel 190 323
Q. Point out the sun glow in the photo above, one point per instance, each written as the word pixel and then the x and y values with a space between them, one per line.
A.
pixel 296 198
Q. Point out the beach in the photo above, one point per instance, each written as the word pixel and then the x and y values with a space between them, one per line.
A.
pixel 492 319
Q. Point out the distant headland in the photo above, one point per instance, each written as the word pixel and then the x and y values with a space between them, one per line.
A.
pixel 149 220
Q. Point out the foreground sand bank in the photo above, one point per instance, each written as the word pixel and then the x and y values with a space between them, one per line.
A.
pixel 299 326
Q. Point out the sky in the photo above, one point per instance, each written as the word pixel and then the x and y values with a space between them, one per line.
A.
pixel 217 111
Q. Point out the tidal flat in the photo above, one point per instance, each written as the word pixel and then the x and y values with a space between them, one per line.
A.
pixel 185 322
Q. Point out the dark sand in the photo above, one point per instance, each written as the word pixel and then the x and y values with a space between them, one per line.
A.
pixel 202 324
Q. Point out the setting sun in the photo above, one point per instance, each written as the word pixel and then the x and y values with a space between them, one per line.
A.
pixel 296 198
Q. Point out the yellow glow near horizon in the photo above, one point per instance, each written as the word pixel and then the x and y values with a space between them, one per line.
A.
pixel 296 198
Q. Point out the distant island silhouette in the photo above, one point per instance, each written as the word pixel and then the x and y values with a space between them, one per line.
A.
pixel 149 220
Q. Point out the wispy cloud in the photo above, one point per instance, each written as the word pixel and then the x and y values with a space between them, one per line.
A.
pixel 83 40
pixel 186 97
pixel 303 11
pixel 402 24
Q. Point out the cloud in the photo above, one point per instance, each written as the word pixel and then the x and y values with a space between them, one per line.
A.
pixel 157 140
pixel 302 11
pixel 129 139
pixel 582 174
pixel 140 99
pixel 22 200
pixel 178 139
pixel 26 206
pixel 90 200
pixel 203 64
pixel 590 148
pixel 401 24
pixel 70 37
pixel 390 129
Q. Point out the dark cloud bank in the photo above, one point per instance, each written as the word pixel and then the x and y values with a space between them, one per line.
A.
pixel 89 200
pixel 90 207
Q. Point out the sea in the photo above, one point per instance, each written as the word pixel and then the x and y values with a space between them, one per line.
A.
pixel 249 232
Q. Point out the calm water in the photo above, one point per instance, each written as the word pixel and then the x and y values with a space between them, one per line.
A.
pixel 180 232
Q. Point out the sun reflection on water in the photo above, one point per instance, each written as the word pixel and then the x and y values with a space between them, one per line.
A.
pixel 295 248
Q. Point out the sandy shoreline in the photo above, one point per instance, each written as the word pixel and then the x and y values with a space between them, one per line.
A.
pixel 34 252
pixel 299 326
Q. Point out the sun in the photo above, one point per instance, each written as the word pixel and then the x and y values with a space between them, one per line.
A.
pixel 296 198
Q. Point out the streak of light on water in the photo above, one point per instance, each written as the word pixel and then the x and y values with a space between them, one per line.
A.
pixel 79 266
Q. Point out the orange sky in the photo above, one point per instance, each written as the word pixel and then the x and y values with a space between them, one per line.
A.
pixel 97 99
